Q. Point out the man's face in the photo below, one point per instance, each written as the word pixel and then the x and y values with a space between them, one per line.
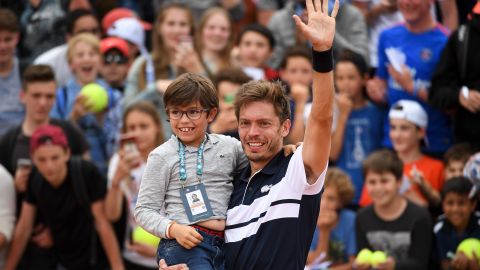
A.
pixel 38 98
pixel 297 71
pixel 51 162
pixel 254 50
pixel 87 24
pixel 414 10
pixel 261 132
pixel 382 187
pixel 114 68
pixel 8 43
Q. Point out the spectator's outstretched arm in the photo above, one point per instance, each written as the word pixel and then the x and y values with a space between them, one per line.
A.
pixel 320 31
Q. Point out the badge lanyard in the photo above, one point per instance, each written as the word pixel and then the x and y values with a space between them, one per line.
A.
pixel 183 168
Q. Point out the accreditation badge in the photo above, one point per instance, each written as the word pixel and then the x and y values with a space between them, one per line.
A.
pixel 196 203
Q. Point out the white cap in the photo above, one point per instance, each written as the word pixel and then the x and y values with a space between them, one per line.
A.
pixel 409 110
pixel 129 29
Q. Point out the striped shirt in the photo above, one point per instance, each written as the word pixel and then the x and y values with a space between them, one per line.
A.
pixel 272 216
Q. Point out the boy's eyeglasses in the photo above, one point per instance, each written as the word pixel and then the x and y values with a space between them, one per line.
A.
pixel 110 58
pixel 192 114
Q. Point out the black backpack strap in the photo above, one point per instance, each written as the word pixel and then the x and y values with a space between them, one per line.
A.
pixel 81 195
pixel 462 50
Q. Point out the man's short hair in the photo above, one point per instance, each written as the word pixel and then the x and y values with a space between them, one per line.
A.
pixel 458 152
pixel 8 21
pixel 74 16
pixel 265 91
pixel 259 29
pixel 460 185
pixel 343 184
pixel 383 161
pixel 37 73
pixel 295 51
pixel 233 75
pixel 190 87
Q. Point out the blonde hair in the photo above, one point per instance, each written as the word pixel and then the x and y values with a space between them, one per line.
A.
pixel 341 181
pixel 87 38
pixel 225 53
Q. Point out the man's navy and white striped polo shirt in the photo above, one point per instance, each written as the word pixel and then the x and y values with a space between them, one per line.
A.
pixel 272 217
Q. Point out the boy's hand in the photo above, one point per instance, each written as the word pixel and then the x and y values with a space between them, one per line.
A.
pixel 79 108
pixel 299 93
pixel 344 104
pixel 388 265
pixel 320 28
pixel 361 266
pixel 42 236
pixel 290 149
pixel 163 266
pixel 459 262
pixel 403 78
pixel 185 235
pixel 21 179
pixel 327 220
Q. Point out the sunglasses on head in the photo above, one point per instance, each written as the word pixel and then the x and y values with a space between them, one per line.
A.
pixel 115 58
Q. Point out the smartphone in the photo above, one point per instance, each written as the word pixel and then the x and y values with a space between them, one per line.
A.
pixel 128 143
pixel 187 40
pixel 24 163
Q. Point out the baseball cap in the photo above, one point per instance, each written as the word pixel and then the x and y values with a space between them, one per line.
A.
pixel 48 135
pixel 476 8
pixel 409 110
pixel 110 43
pixel 128 29
pixel 120 13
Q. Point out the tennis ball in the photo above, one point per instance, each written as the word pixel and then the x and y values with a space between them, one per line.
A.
pixel 97 97
pixel 364 256
pixel 469 247
pixel 378 257
pixel 143 237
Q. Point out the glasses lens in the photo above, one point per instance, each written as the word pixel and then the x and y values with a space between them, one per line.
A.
pixel 175 114
pixel 194 114
pixel 114 58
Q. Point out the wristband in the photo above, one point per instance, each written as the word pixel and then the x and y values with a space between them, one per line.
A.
pixel 465 92
pixel 322 61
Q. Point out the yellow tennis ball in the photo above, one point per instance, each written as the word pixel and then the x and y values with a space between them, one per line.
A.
pixel 143 237
pixel 378 257
pixel 364 256
pixel 469 247
pixel 97 97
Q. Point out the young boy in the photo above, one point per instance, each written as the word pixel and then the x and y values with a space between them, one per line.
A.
pixel 72 218
pixel 115 62
pixel 423 175
pixel 192 162
pixel 460 221
pixel 335 232
pixel 455 159
pixel 255 46
pixel 392 224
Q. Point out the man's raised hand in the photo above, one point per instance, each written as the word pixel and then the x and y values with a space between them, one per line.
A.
pixel 320 28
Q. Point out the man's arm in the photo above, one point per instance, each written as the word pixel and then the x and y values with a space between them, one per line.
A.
pixel 320 31
pixel 449 14
pixel 107 236
pixel 22 233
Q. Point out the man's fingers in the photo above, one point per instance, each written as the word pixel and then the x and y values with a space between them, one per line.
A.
pixel 300 25
pixel 310 7
pixel 325 6
pixel 335 9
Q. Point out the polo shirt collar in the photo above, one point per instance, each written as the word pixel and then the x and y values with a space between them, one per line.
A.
pixel 270 169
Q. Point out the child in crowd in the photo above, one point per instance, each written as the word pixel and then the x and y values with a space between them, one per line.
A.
pixel 358 127
pixel 70 195
pixel 296 73
pixel 392 224
pixel 423 175
pixel 115 62
pixel 335 233
pixel 142 132
pixel 100 129
pixel 460 221
pixel 455 159
pixel 255 45
pixel 227 82
pixel 190 163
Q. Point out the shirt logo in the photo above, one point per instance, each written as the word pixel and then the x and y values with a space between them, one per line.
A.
pixel 426 54
pixel 265 188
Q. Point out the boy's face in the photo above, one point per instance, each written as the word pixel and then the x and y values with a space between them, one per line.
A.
pixel 85 63
pixel 254 50
pixel 297 71
pixel 38 98
pixel 348 79
pixel 51 162
pixel 226 94
pixel 454 168
pixel 330 199
pixel 458 208
pixel 382 187
pixel 190 131
pixel 405 136
pixel 115 68
pixel 8 43
pixel 87 24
